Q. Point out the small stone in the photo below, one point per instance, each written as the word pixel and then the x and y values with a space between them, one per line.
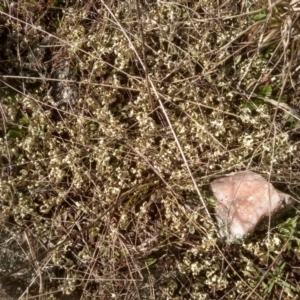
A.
pixel 243 200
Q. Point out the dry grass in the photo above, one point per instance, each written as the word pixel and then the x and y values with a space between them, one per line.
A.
pixel 115 118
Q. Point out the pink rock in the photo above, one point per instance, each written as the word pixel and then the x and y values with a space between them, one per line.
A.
pixel 243 200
